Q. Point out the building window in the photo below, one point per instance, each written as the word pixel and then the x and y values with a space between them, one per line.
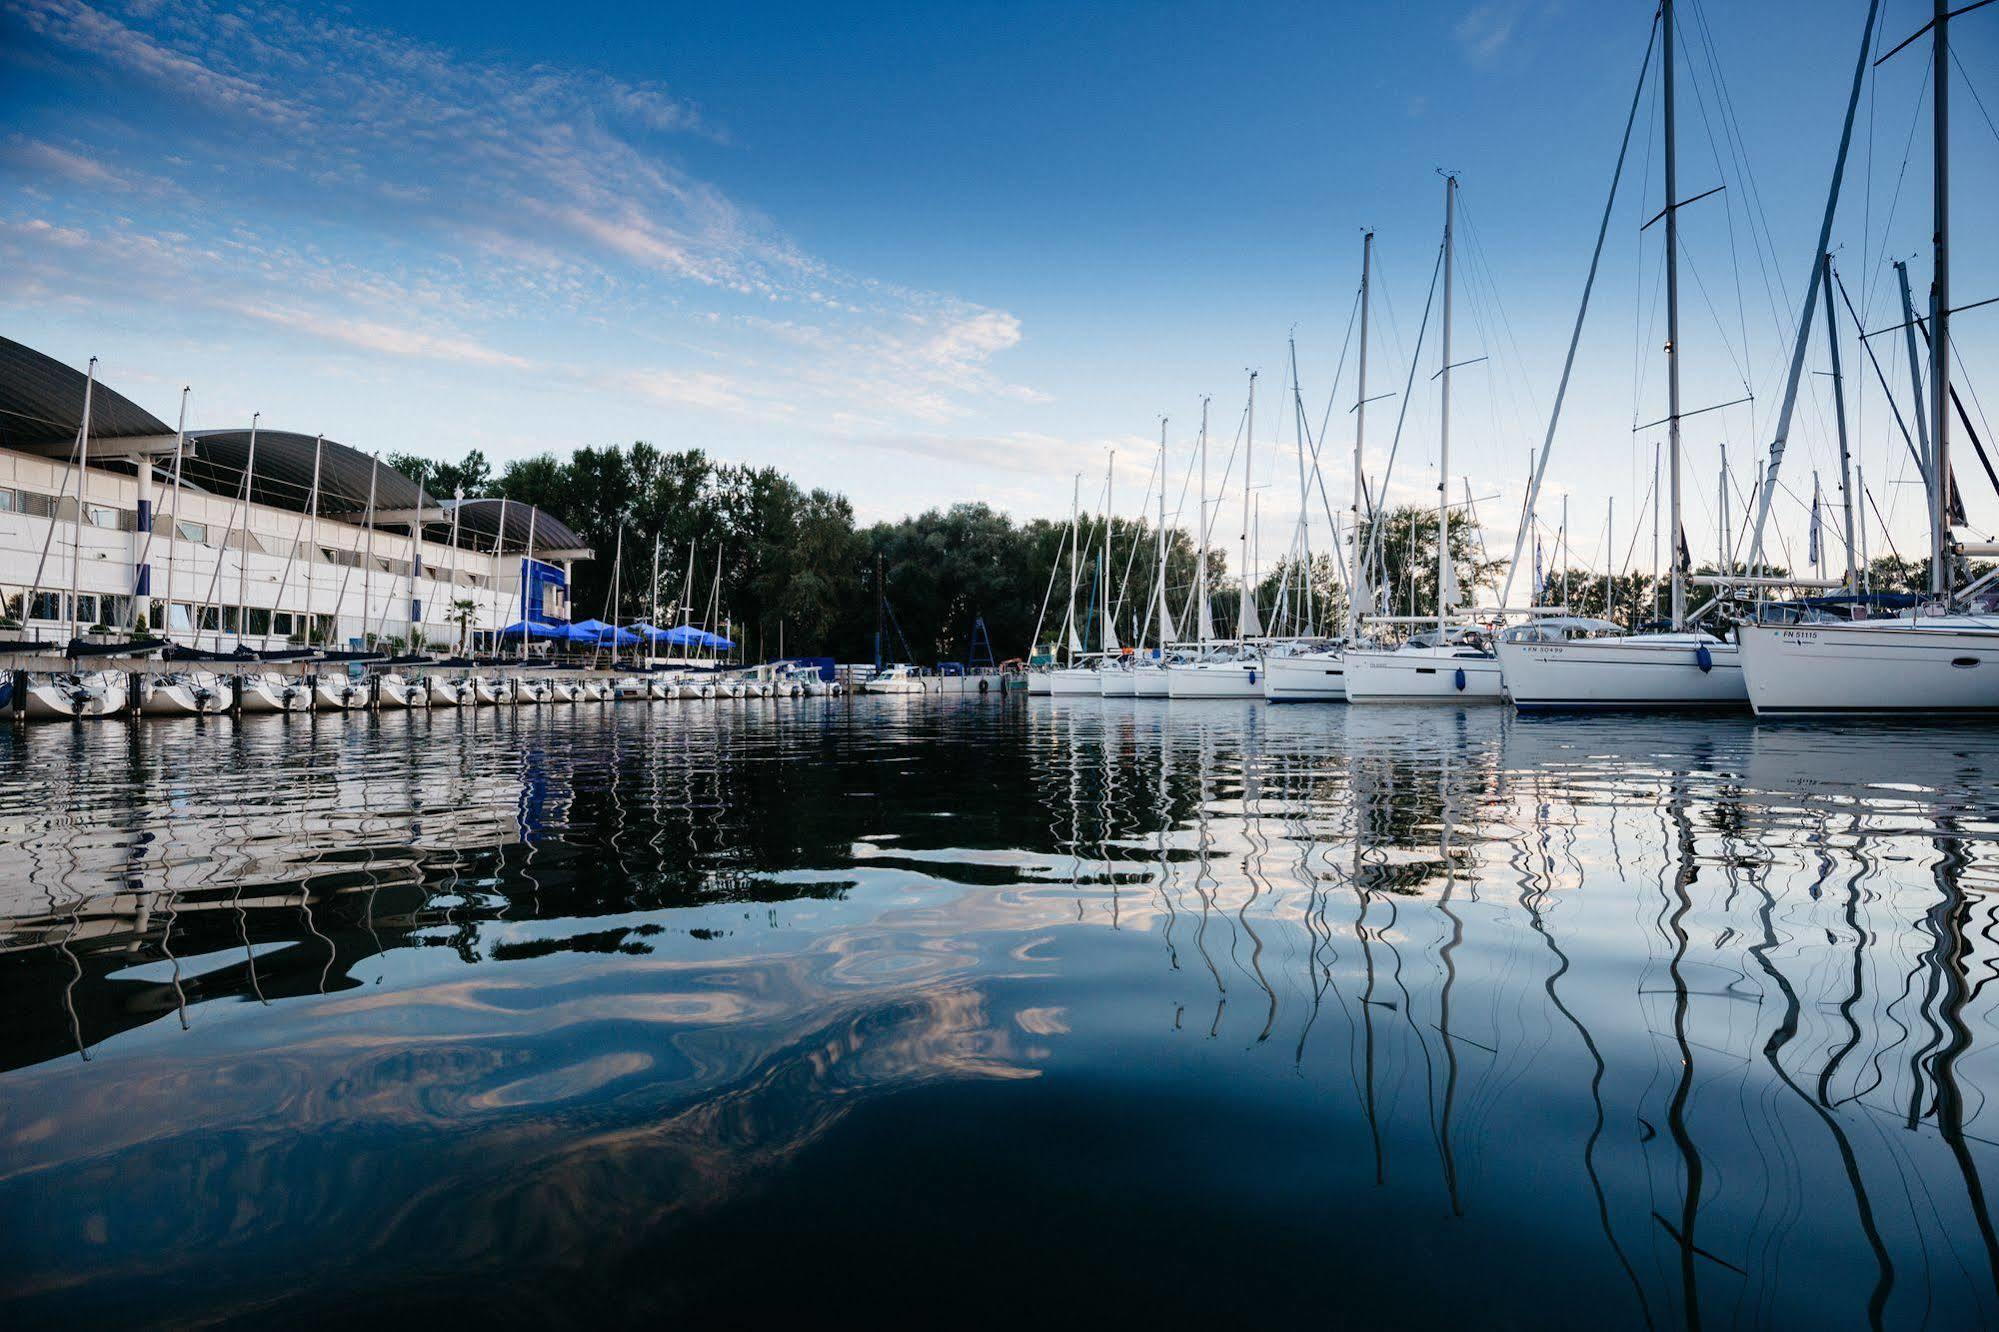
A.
pixel 179 617
pixel 37 506
pixel 86 608
pixel 46 606
pixel 230 620
pixel 281 623
pixel 187 531
pixel 259 619
pixel 101 515
pixel 211 619
pixel 7 501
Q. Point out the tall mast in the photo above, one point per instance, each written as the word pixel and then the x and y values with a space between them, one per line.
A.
pixel 1166 634
pixel 527 581
pixel 1107 636
pixel 1246 621
pixel 1839 412
pixel 173 520
pixel 1444 578
pixel 1301 620
pixel 1679 610
pixel 1075 520
pixel 652 618
pixel 368 554
pixel 1359 575
pixel 1940 300
pixel 1206 626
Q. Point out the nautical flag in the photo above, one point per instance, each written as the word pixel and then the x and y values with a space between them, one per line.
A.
pixel 1686 556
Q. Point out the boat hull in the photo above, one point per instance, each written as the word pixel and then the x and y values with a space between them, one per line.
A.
pixel 1607 674
pixel 184 698
pixel 341 694
pixel 1306 677
pixel 1149 682
pixel 1884 668
pixel 1422 676
pixel 1118 683
pixel 264 693
pixel 1219 679
pixel 1074 680
pixel 100 696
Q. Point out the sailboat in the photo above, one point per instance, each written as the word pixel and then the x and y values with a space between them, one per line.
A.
pixel 1148 674
pixel 76 694
pixel 1319 675
pixel 184 694
pixel 1224 669
pixel 1941 657
pixel 1079 675
pixel 1568 662
pixel 1450 663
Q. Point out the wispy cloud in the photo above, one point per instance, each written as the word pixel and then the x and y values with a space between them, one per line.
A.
pixel 1483 34
pixel 351 185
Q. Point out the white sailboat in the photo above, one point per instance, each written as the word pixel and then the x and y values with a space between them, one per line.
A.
pixel 184 694
pixel 268 691
pixel 1451 663
pixel 1319 675
pixel 76 695
pixel 1223 669
pixel 341 693
pixel 1941 658
pixel 1079 674
pixel 1570 663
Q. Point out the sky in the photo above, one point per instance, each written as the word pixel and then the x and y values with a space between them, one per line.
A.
pixel 929 253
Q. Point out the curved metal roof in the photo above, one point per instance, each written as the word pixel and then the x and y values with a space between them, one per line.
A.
pixel 282 477
pixel 41 405
pixel 479 522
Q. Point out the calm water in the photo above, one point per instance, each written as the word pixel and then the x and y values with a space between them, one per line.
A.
pixel 953 1011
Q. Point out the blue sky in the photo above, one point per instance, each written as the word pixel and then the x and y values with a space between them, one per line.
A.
pixel 922 253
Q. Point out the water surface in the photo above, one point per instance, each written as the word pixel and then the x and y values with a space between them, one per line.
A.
pixel 909 1009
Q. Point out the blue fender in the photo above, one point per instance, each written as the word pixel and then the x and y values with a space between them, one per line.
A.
pixel 1460 679
pixel 1252 675
pixel 1703 659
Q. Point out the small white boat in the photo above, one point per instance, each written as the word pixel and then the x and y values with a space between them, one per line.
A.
pixel 630 687
pixel 895 680
pixel 533 692
pixel 90 694
pixel 694 689
pixel 658 686
pixel 341 693
pixel 395 691
pixel 270 692
pixel 447 692
pixel 596 691
pixel 1450 667
pixel 492 690
pixel 563 690
pixel 185 694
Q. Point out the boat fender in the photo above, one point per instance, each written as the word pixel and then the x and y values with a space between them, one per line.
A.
pixel 1459 677
pixel 1703 658
pixel 983 686
pixel 1252 675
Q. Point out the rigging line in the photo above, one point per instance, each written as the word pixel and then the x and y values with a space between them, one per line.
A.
pixel 1339 373
pixel 1878 265
pixel 1575 335
pixel 1402 412
pixel 1721 334
pixel 1972 88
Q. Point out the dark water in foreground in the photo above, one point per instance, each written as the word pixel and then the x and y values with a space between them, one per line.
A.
pixel 912 1010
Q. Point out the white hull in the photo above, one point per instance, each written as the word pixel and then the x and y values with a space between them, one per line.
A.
pixel 633 687
pixel 276 693
pixel 1215 679
pixel 1911 667
pixel 566 691
pixel 533 693
pixel 1643 671
pixel 1075 680
pixel 91 696
pixel 1149 682
pixel 1040 684
pixel 1118 683
pixel 492 692
pixel 339 694
pixel 392 691
pixel 1422 675
pixel 658 687
pixel 448 693
pixel 893 687
pixel 182 696
pixel 1306 677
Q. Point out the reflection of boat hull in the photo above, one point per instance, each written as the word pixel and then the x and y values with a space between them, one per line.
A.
pixel 1422 675
pixel 98 695
pixel 1306 677
pixel 1216 679
pixel 1649 671
pixel 1928 668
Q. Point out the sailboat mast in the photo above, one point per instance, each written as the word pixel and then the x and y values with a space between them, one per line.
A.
pixel 1075 521
pixel 1201 567
pixel 1444 430
pixel 1358 578
pixel 1679 608
pixel 1246 612
pixel 1165 614
pixel 1839 414
pixel 1107 636
pixel 1940 301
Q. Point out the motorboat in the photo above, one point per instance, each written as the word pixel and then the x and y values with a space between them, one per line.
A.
pixel 341 693
pixel 397 691
pixel 532 691
pixel 1451 665
pixel 631 687
pixel 493 690
pixel 1572 662
pixel 72 695
pixel 450 692
pixel 271 692
pixel 185 694
pixel 895 680
pixel 564 689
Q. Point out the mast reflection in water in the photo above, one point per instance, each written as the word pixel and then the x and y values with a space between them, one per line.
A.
pixel 966 1010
